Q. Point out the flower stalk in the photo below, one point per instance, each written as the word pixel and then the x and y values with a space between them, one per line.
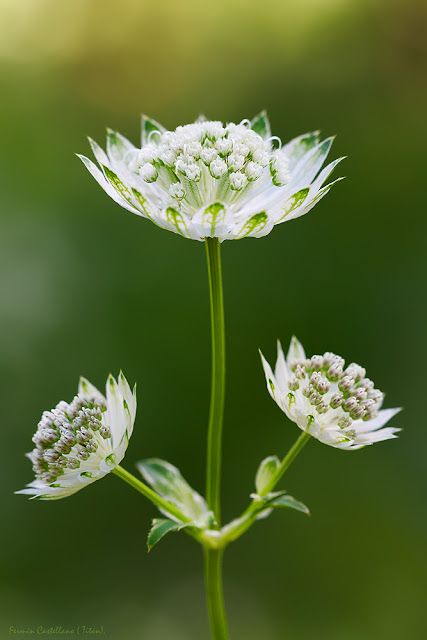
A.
pixel 287 461
pixel 154 497
pixel 238 527
pixel 213 478
pixel 213 557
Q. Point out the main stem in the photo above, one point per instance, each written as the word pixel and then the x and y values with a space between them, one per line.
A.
pixel 213 557
pixel 213 579
pixel 213 480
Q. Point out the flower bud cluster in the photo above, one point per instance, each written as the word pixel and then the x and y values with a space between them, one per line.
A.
pixel 328 385
pixel 223 160
pixel 66 436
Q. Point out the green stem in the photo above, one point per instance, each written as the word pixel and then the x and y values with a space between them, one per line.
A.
pixel 213 557
pixel 213 578
pixel 237 527
pixel 213 482
pixel 286 462
pixel 149 493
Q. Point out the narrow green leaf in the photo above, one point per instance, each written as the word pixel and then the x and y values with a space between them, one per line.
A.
pixel 266 471
pixel 285 501
pixel 160 527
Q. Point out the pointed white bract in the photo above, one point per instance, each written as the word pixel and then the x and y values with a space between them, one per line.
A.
pixel 79 442
pixel 339 406
pixel 210 179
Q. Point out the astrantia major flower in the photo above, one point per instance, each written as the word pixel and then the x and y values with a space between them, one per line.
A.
pixel 210 179
pixel 337 405
pixel 79 442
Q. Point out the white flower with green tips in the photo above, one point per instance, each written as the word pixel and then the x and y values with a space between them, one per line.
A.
pixel 210 179
pixel 79 442
pixel 339 406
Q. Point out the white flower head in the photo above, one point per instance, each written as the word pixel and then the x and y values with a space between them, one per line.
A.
pixel 79 442
pixel 339 406
pixel 210 179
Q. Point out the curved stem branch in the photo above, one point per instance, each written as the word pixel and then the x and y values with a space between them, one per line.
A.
pixel 286 462
pixel 237 527
pixel 213 482
pixel 149 493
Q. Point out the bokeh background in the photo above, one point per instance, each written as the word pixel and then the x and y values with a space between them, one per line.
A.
pixel 87 288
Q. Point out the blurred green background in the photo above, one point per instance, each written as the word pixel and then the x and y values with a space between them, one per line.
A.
pixel 87 288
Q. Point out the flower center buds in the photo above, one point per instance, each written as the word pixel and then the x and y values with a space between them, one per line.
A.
pixel 334 372
pixel 326 385
pixel 233 156
pixel 67 435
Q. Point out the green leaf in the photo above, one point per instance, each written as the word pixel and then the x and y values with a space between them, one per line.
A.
pixel 283 501
pixel 147 127
pixel 160 527
pixel 266 471
pixel 261 125
pixel 277 500
pixel 168 482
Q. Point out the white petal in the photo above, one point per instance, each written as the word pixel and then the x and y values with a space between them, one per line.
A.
pixel 106 185
pixel 113 459
pixel 376 423
pixel 135 200
pixel 282 211
pixel 261 125
pixel 281 371
pixel 298 147
pixel 148 126
pixel 216 220
pixel 129 402
pixel 325 173
pixel 272 385
pixel 115 415
pixel 310 163
pixel 334 437
pixel 99 153
pixel 118 149
pixel 179 223
pixel 258 225
pixel 376 436
pixel 296 352
pixel 312 200
pixel 86 388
